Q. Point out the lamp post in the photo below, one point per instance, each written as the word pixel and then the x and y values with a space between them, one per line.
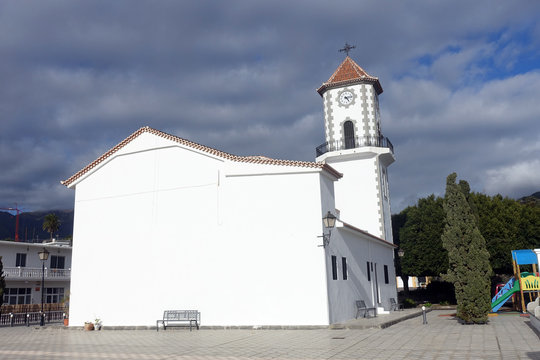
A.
pixel 43 256
pixel 329 222
pixel 404 278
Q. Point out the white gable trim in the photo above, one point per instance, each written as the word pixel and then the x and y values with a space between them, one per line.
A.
pixel 364 234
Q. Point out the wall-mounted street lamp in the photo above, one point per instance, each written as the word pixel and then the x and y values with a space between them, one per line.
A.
pixel 43 256
pixel 401 252
pixel 329 222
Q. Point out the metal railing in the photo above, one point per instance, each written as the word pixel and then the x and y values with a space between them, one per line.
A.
pixel 13 319
pixel 35 273
pixel 28 308
pixel 353 143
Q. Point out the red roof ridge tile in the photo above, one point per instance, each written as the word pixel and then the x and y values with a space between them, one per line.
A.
pixel 257 159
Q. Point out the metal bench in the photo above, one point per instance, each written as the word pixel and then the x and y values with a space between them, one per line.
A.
pixel 361 306
pixel 178 317
pixel 394 305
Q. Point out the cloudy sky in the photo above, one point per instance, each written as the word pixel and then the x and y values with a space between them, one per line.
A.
pixel 461 84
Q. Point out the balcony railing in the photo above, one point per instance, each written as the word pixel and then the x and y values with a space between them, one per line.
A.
pixel 354 142
pixel 13 273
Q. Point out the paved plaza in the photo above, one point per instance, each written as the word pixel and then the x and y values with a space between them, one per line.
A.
pixel 506 337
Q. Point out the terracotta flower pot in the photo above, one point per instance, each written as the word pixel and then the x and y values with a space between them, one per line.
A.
pixel 88 326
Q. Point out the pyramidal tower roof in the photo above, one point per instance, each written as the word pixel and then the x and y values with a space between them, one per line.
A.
pixel 349 73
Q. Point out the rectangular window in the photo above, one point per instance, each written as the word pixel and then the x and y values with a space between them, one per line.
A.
pixel 54 295
pixel 386 274
pixel 20 260
pixel 384 185
pixel 57 262
pixel 344 267
pixel 368 272
pixel 334 267
pixel 15 296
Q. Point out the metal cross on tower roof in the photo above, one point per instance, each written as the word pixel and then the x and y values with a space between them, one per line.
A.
pixel 347 48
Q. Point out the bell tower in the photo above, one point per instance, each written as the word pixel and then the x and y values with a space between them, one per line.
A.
pixel 356 147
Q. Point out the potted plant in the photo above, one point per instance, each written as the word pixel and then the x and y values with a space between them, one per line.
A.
pixel 88 326
pixel 97 324
pixel 65 305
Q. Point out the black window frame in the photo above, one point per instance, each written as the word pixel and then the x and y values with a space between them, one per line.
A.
pixel 334 268
pixel 386 278
pixel 344 268
pixel 368 272
pixel 56 261
pixel 17 296
pixel 54 295
pixel 20 260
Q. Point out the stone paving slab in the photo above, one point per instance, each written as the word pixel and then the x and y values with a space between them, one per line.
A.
pixel 505 337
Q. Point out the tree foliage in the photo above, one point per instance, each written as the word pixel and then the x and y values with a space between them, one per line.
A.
pixel 420 238
pixel 505 224
pixel 398 221
pixel 51 223
pixel 469 269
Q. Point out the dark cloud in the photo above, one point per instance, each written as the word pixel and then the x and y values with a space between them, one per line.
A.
pixel 460 83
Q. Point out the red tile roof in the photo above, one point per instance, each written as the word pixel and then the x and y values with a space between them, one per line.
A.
pixel 247 159
pixel 349 73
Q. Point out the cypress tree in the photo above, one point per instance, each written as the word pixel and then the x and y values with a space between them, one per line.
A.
pixel 469 268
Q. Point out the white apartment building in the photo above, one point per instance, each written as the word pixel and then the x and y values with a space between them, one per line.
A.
pixel 23 272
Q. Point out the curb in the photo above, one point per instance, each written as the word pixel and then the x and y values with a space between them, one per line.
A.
pixel 339 326
pixel 381 325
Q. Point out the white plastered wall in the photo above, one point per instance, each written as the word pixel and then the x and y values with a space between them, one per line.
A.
pixel 357 193
pixel 164 227
pixel 358 249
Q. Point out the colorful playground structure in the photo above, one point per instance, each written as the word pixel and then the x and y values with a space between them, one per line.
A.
pixel 522 283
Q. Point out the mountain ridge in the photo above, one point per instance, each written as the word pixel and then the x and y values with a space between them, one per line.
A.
pixel 31 225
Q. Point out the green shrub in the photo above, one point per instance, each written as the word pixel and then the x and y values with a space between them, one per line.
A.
pixel 409 303
pixel 439 291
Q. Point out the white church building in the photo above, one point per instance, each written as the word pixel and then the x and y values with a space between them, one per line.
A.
pixel 165 223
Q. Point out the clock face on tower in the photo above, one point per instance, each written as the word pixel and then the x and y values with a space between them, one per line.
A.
pixel 346 97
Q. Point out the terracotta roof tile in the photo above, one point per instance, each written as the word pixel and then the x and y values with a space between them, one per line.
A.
pixel 348 73
pixel 247 159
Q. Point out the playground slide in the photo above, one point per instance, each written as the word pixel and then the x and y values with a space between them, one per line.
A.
pixel 504 294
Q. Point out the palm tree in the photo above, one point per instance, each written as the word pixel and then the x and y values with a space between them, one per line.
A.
pixel 51 223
